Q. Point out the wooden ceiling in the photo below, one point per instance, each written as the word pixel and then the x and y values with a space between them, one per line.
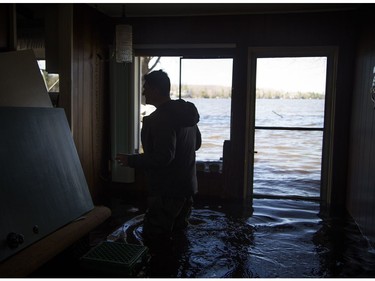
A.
pixel 205 9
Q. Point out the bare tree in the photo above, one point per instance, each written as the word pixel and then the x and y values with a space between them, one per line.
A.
pixel 145 65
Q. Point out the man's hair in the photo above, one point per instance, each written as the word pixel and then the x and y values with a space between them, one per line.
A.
pixel 160 80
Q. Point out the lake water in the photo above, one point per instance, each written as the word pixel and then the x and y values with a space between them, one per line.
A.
pixel 287 163
pixel 214 125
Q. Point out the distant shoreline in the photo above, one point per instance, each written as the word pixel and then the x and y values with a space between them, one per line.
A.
pixel 214 91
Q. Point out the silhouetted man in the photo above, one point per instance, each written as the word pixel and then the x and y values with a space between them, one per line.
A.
pixel 170 136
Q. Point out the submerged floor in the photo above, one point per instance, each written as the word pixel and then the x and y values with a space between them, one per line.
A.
pixel 283 238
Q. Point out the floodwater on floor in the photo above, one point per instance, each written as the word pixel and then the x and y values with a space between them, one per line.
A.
pixel 281 239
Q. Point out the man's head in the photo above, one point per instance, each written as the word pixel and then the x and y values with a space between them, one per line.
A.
pixel 156 87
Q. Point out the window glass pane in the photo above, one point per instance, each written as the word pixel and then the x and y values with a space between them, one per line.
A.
pixel 288 162
pixel 170 65
pixel 290 91
pixel 206 83
pixel 51 80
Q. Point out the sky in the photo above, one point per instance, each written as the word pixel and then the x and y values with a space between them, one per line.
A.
pixel 292 74
pixel 198 71
pixel 306 74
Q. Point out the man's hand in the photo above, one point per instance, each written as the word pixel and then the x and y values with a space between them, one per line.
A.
pixel 122 159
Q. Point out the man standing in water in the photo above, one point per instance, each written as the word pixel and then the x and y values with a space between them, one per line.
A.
pixel 170 136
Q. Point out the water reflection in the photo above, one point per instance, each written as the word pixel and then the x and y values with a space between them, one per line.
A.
pixel 283 238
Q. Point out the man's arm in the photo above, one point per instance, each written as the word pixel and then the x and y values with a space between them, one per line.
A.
pixel 160 154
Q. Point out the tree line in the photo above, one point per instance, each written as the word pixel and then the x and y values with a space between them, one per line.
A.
pixel 202 91
pixel 276 94
pixel 212 91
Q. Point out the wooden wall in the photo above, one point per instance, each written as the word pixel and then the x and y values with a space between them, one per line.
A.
pixel 7 32
pixel 361 178
pixel 86 98
pixel 4 27
pixel 90 97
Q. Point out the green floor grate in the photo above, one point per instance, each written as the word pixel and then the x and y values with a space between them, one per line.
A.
pixel 115 258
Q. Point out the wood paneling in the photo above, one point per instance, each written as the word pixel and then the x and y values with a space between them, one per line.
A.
pixel 7 27
pixel 89 105
pixel 4 27
pixel 361 178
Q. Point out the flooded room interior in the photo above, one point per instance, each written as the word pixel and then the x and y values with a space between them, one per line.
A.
pixel 286 100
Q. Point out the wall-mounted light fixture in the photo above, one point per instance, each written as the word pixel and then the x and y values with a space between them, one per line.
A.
pixel 124 41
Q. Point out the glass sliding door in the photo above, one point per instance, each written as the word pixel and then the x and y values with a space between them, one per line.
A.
pixel 289 126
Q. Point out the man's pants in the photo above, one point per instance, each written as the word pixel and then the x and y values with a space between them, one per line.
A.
pixel 165 216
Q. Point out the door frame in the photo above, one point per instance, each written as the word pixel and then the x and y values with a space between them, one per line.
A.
pixel 331 52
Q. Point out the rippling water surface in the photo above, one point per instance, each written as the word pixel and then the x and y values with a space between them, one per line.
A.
pixel 286 163
pixel 283 238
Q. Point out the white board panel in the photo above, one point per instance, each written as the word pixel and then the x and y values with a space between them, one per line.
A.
pixel 42 184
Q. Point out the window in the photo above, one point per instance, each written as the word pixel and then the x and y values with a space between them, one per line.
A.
pixel 205 82
pixel 50 79
pixel 52 82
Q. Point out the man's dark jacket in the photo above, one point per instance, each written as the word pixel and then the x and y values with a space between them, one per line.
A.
pixel 170 136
